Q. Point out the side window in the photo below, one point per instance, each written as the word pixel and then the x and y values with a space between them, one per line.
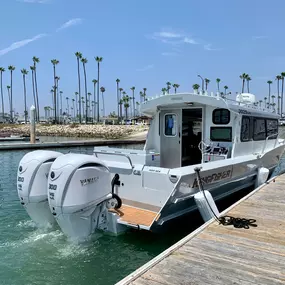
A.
pixel 221 116
pixel 170 125
pixel 221 134
pixel 272 128
pixel 259 130
pixel 245 135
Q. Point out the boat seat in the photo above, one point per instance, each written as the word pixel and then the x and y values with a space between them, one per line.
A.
pixel 135 216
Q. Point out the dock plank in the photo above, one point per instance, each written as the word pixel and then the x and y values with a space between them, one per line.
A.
pixel 217 254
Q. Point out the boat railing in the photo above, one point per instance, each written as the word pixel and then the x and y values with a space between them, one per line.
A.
pixel 219 96
pixel 114 154
pixel 275 142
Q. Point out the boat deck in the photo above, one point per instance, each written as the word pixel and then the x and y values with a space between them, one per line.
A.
pixel 217 254
pixel 135 216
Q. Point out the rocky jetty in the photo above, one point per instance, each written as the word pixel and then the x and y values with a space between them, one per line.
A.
pixel 76 130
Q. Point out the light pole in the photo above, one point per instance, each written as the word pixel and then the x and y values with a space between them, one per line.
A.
pixel 202 83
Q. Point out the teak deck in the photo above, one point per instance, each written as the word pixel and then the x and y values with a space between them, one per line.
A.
pixel 136 216
pixel 216 254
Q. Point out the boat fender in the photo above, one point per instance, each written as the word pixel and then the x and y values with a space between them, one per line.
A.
pixel 116 181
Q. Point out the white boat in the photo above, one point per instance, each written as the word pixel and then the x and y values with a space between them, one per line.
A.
pixel 235 142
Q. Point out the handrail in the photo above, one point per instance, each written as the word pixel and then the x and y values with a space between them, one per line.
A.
pixel 276 139
pixel 114 153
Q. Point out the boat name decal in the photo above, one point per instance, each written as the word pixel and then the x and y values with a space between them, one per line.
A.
pixel 213 178
pixel 241 111
pixel 88 181
pixel 52 187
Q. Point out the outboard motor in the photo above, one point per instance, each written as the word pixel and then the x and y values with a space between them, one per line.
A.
pixel 79 185
pixel 32 185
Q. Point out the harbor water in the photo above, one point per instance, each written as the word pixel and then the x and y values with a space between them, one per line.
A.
pixel 31 256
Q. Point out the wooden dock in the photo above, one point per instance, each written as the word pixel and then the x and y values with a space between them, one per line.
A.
pixel 217 254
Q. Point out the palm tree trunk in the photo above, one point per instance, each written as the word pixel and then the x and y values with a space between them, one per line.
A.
pixel 25 98
pixel 79 89
pixel 60 105
pixel 118 100
pixel 176 89
pixel 54 94
pixel 85 82
pixel 2 96
pixel 11 95
pixel 278 99
pixel 218 87
pixel 121 110
pixel 94 112
pixel 98 94
pixel 103 104
pixel 282 89
pixel 247 86
pixel 34 94
pixel 57 100
pixel 37 95
pixel 269 94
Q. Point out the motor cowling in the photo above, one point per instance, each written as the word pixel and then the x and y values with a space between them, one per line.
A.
pixel 32 185
pixel 77 185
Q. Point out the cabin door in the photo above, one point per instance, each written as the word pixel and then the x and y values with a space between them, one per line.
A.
pixel 170 138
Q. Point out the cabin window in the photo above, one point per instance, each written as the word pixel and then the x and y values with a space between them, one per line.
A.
pixel 221 134
pixel 221 117
pixel 259 129
pixel 272 128
pixel 170 125
pixel 245 135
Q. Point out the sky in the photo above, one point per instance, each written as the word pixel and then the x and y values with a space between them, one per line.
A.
pixel 143 43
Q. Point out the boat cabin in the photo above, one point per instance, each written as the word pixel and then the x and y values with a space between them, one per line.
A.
pixel 188 129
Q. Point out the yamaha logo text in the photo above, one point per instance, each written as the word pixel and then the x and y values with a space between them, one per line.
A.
pixel 88 181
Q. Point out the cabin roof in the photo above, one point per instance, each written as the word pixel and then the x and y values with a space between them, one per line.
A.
pixel 181 100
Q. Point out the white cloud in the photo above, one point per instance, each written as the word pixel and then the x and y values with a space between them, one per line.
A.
pixel 209 47
pixel 259 37
pixel 19 44
pixel 34 1
pixel 70 23
pixel 150 66
pixel 170 54
pixel 169 36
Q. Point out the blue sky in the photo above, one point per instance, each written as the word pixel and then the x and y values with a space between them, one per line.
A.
pixel 144 43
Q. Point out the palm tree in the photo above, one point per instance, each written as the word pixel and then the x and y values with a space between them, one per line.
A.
pixel 57 78
pixel 82 98
pixel 144 93
pixel 11 68
pixel 163 90
pixel 60 112
pixel 243 78
pixel 247 81
pixel 282 90
pixel 265 104
pixel 269 82
pixel 76 100
pixel 94 90
pixel 102 89
pixel 36 60
pixel 33 84
pixel 175 86
pixel 84 61
pixel 126 106
pixel 118 98
pixel 2 69
pixel 207 81
pixel 260 102
pixel 54 63
pixel 98 59
pixel 89 100
pixel 168 86
pixel 133 97
pixel 218 80
pixel 226 88
pixel 79 56
pixel 67 105
pixel 137 104
pixel 121 111
pixel 25 72
pixel 278 78
pixel 196 87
